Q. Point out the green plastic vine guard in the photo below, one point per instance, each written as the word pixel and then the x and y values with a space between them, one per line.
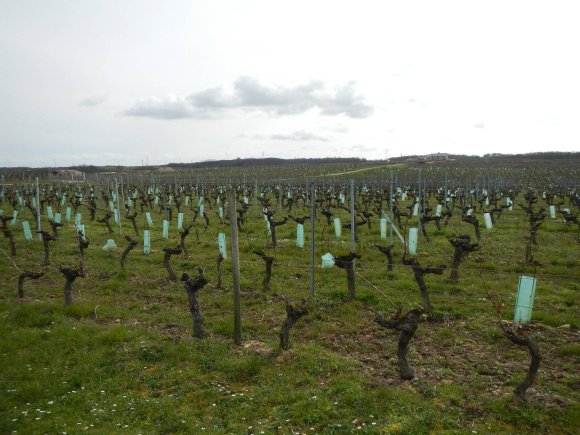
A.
pixel 300 236
pixel 470 212
pixel 201 208
pixel 383 225
pixel 58 218
pixel 1 212
pixel 337 227
pixel 222 245
pixel 63 199
pixel 413 233
pixel 487 219
pixel 116 213
pixel 246 201
pixel 14 217
pixel 438 210
pixel 187 200
pixel 109 245
pixel 268 227
pixel 416 209
pixel 111 206
pixel 149 219
pixel 67 214
pixel 146 242
pixel 78 219
pixel 34 203
pixel 553 212
pixel 81 228
pixel 525 299
pixel 26 230
pixel 180 222
pixel 49 212
pixel 165 229
pixel 221 212
pixel 327 261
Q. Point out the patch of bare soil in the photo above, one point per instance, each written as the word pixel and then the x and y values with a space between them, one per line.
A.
pixel 452 353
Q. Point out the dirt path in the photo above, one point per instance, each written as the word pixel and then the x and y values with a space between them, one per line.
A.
pixel 361 170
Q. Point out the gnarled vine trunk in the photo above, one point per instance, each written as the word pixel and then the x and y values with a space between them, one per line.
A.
pixel 407 324
pixel 517 335
pixel 70 274
pixel 129 248
pixel 22 277
pixel 192 287
pixel 167 261
pixel 293 313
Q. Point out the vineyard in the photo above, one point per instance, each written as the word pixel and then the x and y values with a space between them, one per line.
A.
pixel 368 298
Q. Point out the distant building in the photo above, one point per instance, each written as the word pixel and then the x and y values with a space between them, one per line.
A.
pixel 73 173
pixel 437 157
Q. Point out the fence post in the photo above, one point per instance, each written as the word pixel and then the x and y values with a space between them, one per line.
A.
pixel 312 217
pixel 352 218
pixel 38 229
pixel 118 208
pixel 391 211
pixel 235 265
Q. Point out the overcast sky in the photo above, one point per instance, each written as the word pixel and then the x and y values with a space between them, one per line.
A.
pixel 120 82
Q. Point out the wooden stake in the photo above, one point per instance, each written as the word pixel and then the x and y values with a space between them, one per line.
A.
pixel 312 216
pixel 235 265
pixel 352 218
pixel 38 228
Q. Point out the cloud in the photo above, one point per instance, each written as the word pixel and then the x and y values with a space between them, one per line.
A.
pixel 93 101
pixel 362 148
pixel 300 136
pixel 169 107
pixel 479 125
pixel 248 93
pixel 338 128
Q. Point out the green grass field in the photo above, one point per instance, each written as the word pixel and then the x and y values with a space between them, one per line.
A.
pixel 121 358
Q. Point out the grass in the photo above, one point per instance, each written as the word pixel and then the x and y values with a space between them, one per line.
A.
pixel 121 358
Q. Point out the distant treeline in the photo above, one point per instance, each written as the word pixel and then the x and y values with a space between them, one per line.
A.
pixel 551 155
pixel 269 161
pixel 563 159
